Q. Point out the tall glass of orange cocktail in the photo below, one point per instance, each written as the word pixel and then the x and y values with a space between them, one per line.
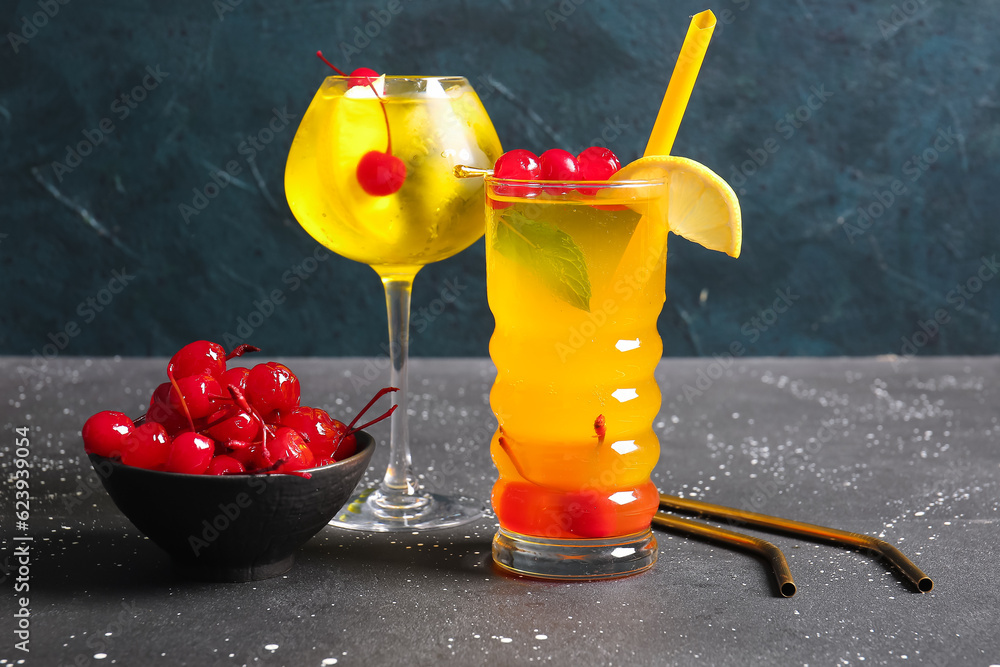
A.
pixel 575 278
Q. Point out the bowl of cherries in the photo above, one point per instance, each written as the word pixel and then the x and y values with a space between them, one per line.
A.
pixel 227 472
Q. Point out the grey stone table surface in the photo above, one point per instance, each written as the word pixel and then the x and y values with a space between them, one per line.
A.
pixel 905 449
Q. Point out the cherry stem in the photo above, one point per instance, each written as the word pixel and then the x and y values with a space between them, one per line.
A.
pixel 319 54
pixel 351 430
pixel 271 468
pixel 241 401
pixel 180 397
pixel 385 114
pixel 381 392
pixel 277 464
pixel 387 414
pixel 600 429
pixel 216 422
pixel 502 441
pixel 240 350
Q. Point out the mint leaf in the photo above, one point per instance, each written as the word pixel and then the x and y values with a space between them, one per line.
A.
pixel 608 234
pixel 547 252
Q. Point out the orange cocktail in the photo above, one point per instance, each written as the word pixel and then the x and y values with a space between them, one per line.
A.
pixel 575 278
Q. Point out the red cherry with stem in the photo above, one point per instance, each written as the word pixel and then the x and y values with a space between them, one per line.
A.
pixel 272 386
pixel 379 174
pixel 363 76
pixel 244 404
pixel 173 422
pixel 104 433
pixel 176 392
pixel 316 427
pixel 248 454
pixel 201 357
pixel 200 394
pixel 256 458
pixel 224 465
pixel 190 453
pixel 348 443
pixel 161 412
pixel 232 423
pixel 146 447
pixel 235 377
pixel 288 449
pixel 159 397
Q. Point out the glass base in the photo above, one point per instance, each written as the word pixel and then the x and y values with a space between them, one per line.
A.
pixel 602 558
pixel 375 510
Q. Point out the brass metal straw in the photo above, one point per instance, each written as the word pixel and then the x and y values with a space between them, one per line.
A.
pixel 763 548
pixel 808 530
pixel 465 171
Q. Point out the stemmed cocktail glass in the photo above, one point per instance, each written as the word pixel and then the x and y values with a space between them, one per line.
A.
pixel 429 125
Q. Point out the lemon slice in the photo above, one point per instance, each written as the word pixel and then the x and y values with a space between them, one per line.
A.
pixel 700 206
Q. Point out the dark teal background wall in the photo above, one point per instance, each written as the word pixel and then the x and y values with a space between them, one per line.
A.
pixel 811 109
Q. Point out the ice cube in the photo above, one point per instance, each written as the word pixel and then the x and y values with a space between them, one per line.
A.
pixel 435 90
pixel 365 92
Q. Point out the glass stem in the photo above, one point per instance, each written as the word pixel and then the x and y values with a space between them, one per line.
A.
pixel 398 477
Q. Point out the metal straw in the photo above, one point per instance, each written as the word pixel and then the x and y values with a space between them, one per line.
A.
pixel 465 171
pixel 758 546
pixel 807 530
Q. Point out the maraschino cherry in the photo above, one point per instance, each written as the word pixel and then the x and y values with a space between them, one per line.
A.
pixel 204 357
pixel 104 433
pixel 225 465
pixel 558 165
pixel 190 453
pixel 597 163
pixel 379 174
pixel 146 447
pixel 272 386
pixel 518 165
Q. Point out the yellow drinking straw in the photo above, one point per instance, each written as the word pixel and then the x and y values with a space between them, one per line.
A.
pixel 681 83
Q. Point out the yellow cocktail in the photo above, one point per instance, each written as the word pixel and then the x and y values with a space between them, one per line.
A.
pixel 436 123
pixel 371 175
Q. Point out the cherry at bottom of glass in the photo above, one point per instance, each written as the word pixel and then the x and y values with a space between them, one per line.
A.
pixel 603 558
pixel 381 510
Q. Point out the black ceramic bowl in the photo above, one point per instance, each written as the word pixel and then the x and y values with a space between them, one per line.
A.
pixel 232 527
